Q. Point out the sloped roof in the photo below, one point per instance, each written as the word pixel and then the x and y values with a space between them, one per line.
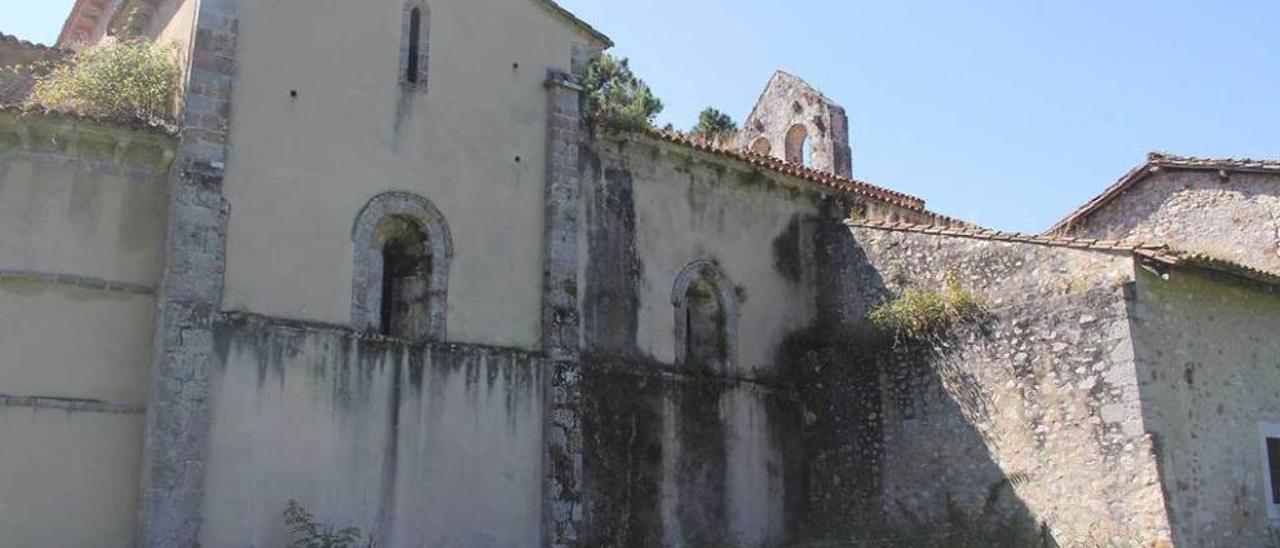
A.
pixel 1156 162
pixel 573 19
pixel 821 178
pixel 1155 252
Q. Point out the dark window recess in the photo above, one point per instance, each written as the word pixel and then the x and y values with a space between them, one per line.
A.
pixel 415 38
pixel 705 336
pixel 1273 462
pixel 406 271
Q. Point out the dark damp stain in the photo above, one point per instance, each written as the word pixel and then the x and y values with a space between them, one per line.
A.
pixel 222 336
pixel 492 370
pixel 611 298
pixel 418 360
pixel 786 252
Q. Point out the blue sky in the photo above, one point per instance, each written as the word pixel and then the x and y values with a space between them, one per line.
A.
pixel 1009 113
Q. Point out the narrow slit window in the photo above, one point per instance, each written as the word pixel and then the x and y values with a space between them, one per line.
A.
pixel 415 45
pixel 1273 464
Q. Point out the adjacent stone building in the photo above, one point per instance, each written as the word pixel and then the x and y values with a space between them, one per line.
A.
pixel 385 267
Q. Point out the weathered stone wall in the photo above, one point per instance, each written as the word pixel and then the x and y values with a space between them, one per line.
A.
pixel 652 209
pixel 81 230
pixel 1235 218
pixel 436 445
pixel 680 460
pixel 1206 349
pixel 789 102
pixel 1034 410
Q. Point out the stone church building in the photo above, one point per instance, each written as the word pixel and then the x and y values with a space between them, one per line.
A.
pixel 385 268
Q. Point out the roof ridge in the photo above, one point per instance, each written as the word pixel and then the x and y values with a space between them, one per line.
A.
pixel 1161 253
pixel 823 178
pixel 982 233
pixel 1155 161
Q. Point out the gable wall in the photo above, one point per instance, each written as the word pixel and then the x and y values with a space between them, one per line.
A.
pixel 300 169
pixel 1236 219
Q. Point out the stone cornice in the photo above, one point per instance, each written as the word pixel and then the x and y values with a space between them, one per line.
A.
pixel 96 142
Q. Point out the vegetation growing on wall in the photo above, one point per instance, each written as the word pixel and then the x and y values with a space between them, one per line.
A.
pixel 616 98
pixel 917 313
pixel 125 81
pixel 306 532
pixel 714 126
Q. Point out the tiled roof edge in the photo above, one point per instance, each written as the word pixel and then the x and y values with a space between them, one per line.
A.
pixel 821 178
pixel 1160 253
pixel 1201 260
pixel 1155 162
pixel 978 233
pixel 28 44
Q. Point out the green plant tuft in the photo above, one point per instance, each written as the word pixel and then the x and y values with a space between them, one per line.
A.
pixel 917 313
pixel 616 98
pixel 126 81
pixel 306 532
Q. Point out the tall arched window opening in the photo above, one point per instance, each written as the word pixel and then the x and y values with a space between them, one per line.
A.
pixel 705 344
pixel 406 271
pixel 706 318
pixel 761 146
pixel 798 145
pixel 400 280
pixel 415 42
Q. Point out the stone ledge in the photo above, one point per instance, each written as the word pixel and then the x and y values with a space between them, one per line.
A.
pixel 74 280
pixel 71 404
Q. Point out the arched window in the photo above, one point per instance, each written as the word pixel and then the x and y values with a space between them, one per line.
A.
pixel 798 145
pixel 415 44
pixel 706 318
pixel 761 146
pixel 401 277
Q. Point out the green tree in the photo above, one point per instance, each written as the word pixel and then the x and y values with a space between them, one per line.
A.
pixel 714 125
pixel 616 98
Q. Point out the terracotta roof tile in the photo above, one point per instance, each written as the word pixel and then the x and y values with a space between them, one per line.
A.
pixel 1155 162
pixel 822 178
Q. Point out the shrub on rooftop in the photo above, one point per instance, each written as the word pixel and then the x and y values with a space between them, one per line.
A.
pixel 125 80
